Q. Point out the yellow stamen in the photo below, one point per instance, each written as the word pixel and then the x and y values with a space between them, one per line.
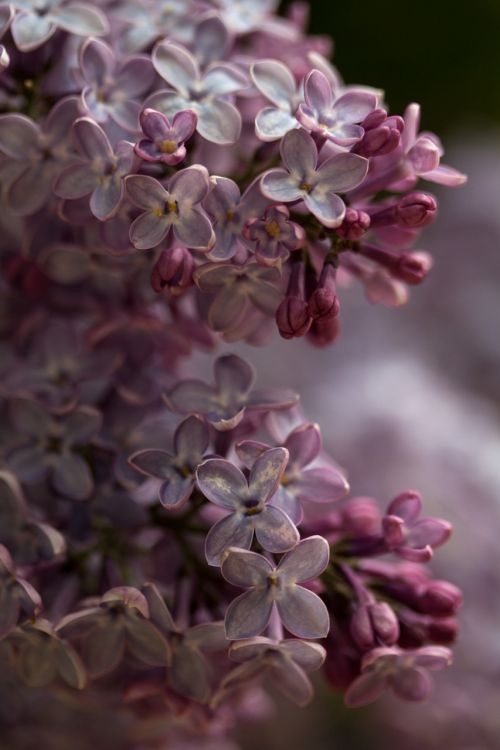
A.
pixel 273 228
pixel 168 147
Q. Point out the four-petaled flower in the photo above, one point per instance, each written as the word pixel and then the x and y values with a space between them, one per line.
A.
pixel 316 186
pixel 301 611
pixel 101 171
pixel 164 141
pixel 407 535
pixel 111 88
pixel 336 119
pixel 226 486
pixel 177 471
pixel 275 236
pixel 218 120
pixel 236 289
pixel 404 672
pixel 285 663
pixel 225 403
pixel 176 208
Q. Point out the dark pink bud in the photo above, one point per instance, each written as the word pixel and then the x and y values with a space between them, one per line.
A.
pixel 293 318
pixel 355 225
pixel 443 631
pixel 323 303
pixel 173 271
pixel 440 598
pixel 373 624
pixel 374 119
pixel 382 134
pixel 411 268
pixel 413 210
pixel 324 332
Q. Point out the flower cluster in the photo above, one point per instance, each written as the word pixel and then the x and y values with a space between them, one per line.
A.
pixel 219 139
pixel 172 174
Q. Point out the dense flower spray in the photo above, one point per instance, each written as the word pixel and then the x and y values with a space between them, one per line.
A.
pixel 174 174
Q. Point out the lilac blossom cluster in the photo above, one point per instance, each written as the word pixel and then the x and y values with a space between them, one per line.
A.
pixel 173 174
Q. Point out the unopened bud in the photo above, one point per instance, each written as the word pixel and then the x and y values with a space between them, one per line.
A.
pixel 372 624
pixel 173 271
pixel 411 211
pixel 355 225
pixel 440 599
pixel 382 134
pixel 293 318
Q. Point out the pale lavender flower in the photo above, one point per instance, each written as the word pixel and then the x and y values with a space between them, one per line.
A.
pixel 49 446
pixel 112 88
pixel 35 154
pixel 236 289
pixel 230 211
pixel 404 672
pixel 411 537
pixel 245 16
pixel 337 119
pixel 275 235
pixel 188 672
pixel 206 94
pixel 285 663
pixel 177 471
pixel 18 598
pixel 176 208
pixel 275 81
pixel 224 404
pixel 36 21
pixel 227 487
pixel 316 186
pixel 173 271
pixel 164 141
pixel 301 611
pixel 303 479
pixel 100 172
pixel 146 23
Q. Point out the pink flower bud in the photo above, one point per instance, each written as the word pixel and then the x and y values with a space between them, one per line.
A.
pixel 173 271
pixel 356 223
pixel 293 318
pixel 440 599
pixel 324 332
pixel 361 517
pixel 416 209
pixel 374 623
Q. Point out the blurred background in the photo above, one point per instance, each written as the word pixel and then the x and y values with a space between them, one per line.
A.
pixel 410 398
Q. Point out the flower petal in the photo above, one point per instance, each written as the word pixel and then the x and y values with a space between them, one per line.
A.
pixel 106 198
pixel 291 680
pixel 81 19
pixel 318 92
pixel 342 172
pixel 310 656
pixel 221 482
pixel 97 61
pixel 29 30
pixel 227 309
pixel 148 230
pixel 233 375
pixel 272 123
pixel 305 561
pixel 275 81
pixel 321 485
pixel 146 192
pixel 103 649
pixel 152 463
pixel 219 121
pixel 275 531
pixel 194 229
pixel 248 614
pixel 279 186
pixel 191 439
pixel 232 531
pixel 190 186
pixel 135 76
pixel 365 689
pixel 243 568
pixel 71 477
pixel 175 65
pixel 147 643
pixel 299 154
pixel 223 79
pixel 303 613
pixel 266 473
pixel 19 136
pixel 188 674
pixel 303 444
pixel 75 181
pixel 328 208
pixel 92 141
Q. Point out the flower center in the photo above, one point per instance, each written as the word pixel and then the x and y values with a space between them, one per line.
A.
pixel 168 147
pixel 252 506
pixel 306 187
pixel 273 229
pixel 172 207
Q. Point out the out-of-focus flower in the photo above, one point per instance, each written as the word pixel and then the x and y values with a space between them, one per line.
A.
pixel 18 598
pixel 317 186
pixel 225 403
pixel 301 611
pixel 404 672
pixel 411 537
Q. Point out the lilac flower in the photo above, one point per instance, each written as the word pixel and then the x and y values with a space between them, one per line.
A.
pixel 101 171
pixel 405 672
pixel 285 663
pixel 188 671
pixel 36 21
pixel 18 598
pixel 146 23
pixel 245 16
pixel 337 119
pixel 27 540
pixel 42 657
pixel 177 209
pixel 224 404
pixel 303 480
pixel 316 186
pixel 407 535
pixel 177 471
pixel 218 120
pixel 173 271
pixel 119 620
pixel 275 236
pixel 301 611
pixel 35 155
pixel 226 486
pixel 275 81
pixel 423 151
pixel 230 211
pixel 237 288
pixel 164 141
pixel 112 88
pixel 50 446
